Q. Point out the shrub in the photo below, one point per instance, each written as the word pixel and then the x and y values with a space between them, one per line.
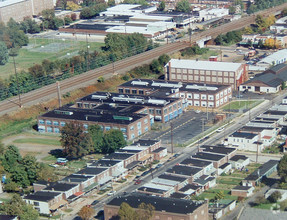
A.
pixel 275 196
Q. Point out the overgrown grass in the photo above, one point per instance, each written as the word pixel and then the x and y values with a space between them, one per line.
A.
pixel 264 206
pixel 77 164
pixel 15 127
pixel 38 141
pixel 50 158
pixel 229 181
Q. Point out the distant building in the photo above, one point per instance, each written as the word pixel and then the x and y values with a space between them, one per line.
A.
pixel 19 9
pixel 210 72
pixel 274 59
pixel 165 208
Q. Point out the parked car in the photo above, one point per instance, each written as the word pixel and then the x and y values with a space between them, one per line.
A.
pixel 220 130
pixel 138 182
pixel 95 202
pixel 159 166
pixel 145 173
pixel 111 193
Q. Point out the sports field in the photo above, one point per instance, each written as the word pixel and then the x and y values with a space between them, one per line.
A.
pixel 40 49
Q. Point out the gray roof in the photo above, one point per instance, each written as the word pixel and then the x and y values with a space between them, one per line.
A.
pixel 262 170
pixel 262 214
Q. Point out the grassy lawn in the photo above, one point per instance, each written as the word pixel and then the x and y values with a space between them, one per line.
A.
pixel 50 158
pixel 38 50
pixel 77 164
pixel 15 127
pixel 241 104
pixel 264 206
pixel 38 141
pixel 229 181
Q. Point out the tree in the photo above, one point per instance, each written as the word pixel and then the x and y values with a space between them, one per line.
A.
pixel 16 206
pixel 163 59
pixel 96 140
pixel 47 173
pixel 161 6
pixel 111 3
pixel 183 6
pixel 282 168
pixel 3 53
pixel 11 158
pixel 72 136
pixel 72 6
pixel 19 176
pixel 113 140
pixel 31 167
pixel 86 213
pixel 2 148
pixel 275 196
pixel 156 67
pixel 283 85
pixel 73 16
pixel 87 13
pixel 126 212
pixel 11 187
pixel 145 211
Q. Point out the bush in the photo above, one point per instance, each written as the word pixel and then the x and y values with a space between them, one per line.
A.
pixel 260 200
pixel 126 78
pixel 275 196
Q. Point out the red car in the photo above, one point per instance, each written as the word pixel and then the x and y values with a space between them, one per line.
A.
pixel 138 182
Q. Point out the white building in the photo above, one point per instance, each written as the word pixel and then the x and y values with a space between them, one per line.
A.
pixel 210 13
pixel 274 59
pixel 127 9
pixel 280 25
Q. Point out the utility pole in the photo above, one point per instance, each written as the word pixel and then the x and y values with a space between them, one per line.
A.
pixel 249 110
pixel 88 55
pixel 17 82
pixel 171 136
pixel 59 94
pixel 202 126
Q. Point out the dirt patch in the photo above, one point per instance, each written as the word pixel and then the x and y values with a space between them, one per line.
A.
pixel 38 150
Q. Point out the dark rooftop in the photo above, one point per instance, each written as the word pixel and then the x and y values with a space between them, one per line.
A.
pixel 189 186
pixel 145 142
pixel 118 156
pixel 169 205
pixel 177 195
pixel 219 150
pixel 62 187
pixel 243 135
pixel 223 166
pixel 208 156
pixel 91 171
pixel 76 178
pixel 92 115
pixel 104 163
pixel 159 149
pixel 253 129
pixel 262 170
pixel 238 157
pixel 195 162
pixel 42 196
pixel 41 182
pixel 118 98
pixel 167 86
pixel 183 170
pixel 173 178
pixel 133 151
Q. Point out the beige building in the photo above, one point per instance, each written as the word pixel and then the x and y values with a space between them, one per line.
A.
pixel 19 9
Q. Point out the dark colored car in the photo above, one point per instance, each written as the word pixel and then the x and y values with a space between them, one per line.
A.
pixel 95 202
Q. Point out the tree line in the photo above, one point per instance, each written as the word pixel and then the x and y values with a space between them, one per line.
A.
pixel 77 143
pixel 116 47
pixel 22 172
pixel 259 5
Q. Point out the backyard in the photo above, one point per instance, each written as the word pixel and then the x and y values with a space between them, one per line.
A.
pixel 226 182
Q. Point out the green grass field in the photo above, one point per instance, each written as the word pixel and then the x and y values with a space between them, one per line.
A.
pixel 40 49
pixel 241 104
pixel 38 141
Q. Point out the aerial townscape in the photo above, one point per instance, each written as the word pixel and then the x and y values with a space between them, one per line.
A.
pixel 143 110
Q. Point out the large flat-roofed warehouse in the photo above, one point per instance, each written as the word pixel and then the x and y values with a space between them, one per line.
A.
pixel 195 94
pixel 195 71
pixel 130 123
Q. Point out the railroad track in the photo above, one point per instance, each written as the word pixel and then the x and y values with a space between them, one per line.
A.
pixel 45 93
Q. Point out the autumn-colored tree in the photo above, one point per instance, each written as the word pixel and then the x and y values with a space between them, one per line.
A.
pixel 145 211
pixel 86 213
pixel 126 212
pixel 72 139
pixel 72 6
